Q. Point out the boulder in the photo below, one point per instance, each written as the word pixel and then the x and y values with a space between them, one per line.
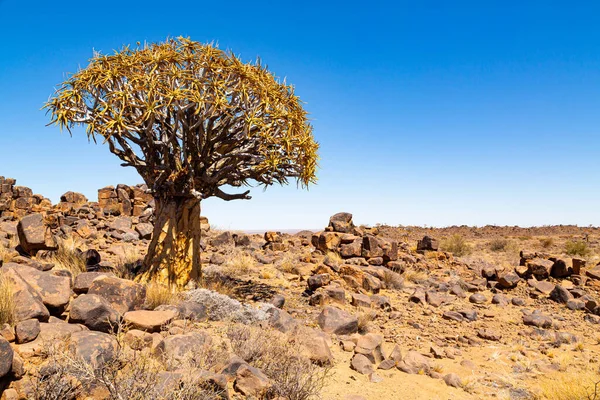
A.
pixel 137 339
pixel 281 320
pixel 84 280
pixel 192 310
pixel 537 320
pixel 95 312
pixel 149 321
pixel 352 249
pixel 144 230
pixel 74 198
pixel 369 345
pixel 414 362
pixel 362 364
pixel 508 280
pixel 317 281
pixel 339 322
pixel 427 244
pixel 478 298
pixel 54 289
pixel 314 345
pixel 94 348
pixel 328 241
pixel 341 222
pixel 27 331
pixel 539 268
pixel 122 294
pixel 6 357
pixel 250 381
pixel 34 235
pixel 561 295
pixel 178 347
pixel 28 302
pixel 560 270
pixel 224 239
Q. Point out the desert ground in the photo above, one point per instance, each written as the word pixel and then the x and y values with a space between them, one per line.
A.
pixel 348 312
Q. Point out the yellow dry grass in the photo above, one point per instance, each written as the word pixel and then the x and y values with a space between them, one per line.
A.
pixel 7 305
pixel 158 294
pixel 569 386
pixel 238 263
pixel 68 257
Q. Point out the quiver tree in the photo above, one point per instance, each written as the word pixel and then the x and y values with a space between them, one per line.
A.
pixel 192 120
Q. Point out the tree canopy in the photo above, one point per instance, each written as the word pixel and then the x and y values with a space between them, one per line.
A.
pixel 191 118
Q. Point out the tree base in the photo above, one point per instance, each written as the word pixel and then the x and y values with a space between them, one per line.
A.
pixel 174 253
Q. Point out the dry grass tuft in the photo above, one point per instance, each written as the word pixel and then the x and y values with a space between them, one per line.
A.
pixel 364 320
pixel 7 305
pixel 415 275
pixel 569 386
pixel 238 263
pixel 128 262
pixel 158 294
pixel 68 257
pixel 294 376
pixel 393 280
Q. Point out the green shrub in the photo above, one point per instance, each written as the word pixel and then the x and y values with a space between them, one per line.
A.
pixel 576 248
pixel 456 245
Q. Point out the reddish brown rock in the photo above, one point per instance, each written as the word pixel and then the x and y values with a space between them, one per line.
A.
pixel 95 312
pixel 34 235
pixel 149 321
pixel 122 294
pixel 339 322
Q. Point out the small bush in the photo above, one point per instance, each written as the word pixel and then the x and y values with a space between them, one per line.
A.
pixel 220 307
pixel 576 248
pixel 546 242
pixel 131 375
pixel 456 245
pixel 499 245
pixel 7 305
pixel 294 376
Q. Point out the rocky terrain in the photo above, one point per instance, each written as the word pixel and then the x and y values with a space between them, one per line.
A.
pixel 350 312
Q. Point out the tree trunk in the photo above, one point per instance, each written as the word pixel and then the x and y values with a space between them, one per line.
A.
pixel 174 253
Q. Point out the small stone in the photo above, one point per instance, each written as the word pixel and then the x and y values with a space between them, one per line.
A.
pixel 361 364
pixel 477 298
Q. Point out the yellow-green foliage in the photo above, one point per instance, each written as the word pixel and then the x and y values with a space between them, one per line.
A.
pixel 456 245
pixel 577 248
pixel 7 305
pixel 131 96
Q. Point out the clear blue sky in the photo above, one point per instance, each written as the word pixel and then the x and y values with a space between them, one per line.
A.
pixel 442 113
